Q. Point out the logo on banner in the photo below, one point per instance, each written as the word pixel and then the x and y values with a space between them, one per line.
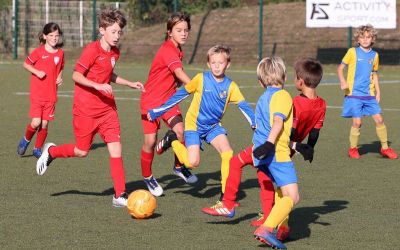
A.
pixel 56 60
pixel 113 61
pixel 318 11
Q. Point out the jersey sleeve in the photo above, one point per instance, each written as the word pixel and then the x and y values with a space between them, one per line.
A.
pixel 194 83
pixel 172 60
pixel 33 57
pixel 179 96
pixel 247 112
pixel 349 57
pixel 235 95
pixel 86 60
pixel 376 63
pixel 281 104
pixel 321 118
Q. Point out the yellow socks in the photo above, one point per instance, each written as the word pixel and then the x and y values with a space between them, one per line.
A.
pixel 279 212
pixel 181 152
pixel 354 135
pixel 278 197
pixel 225 158
pixel 382 135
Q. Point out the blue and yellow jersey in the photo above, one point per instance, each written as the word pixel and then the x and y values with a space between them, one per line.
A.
pixel 273 102
pixel 209 103
pixel 361 66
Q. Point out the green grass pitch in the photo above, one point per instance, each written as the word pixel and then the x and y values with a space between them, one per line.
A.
pixel 345 204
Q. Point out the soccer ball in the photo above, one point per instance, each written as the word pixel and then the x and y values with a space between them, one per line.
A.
pixel 141 204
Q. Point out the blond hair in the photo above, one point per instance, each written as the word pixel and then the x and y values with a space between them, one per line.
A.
pixel 271 71
pixel 217 49
pixel 366 29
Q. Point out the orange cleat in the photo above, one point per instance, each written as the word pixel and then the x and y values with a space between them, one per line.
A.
pixel 389 153
pixel 353 153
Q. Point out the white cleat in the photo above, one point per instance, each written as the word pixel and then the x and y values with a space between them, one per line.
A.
pixel 153 186
pixel 121 201
pixel 44 161
pixel 185 174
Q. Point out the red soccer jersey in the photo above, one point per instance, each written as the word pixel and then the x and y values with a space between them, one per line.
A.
pixel 97 65
pixel 161 83
pixel 45 89
pixel 307 114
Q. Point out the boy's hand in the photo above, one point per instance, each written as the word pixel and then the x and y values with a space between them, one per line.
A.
pixel 264 150
pixel 59 81
pixel 344 85
pixel 136 85
pixel 40 74
pixel 105 87
pixel 305 150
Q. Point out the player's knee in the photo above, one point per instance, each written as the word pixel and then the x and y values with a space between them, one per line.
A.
pixel 35 123
pixel 296 199
pixel 81 153
pixel 379 121
pixel 194 163
pixel 357 124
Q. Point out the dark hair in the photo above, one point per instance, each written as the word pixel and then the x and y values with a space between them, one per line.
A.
pixel 49 28
pixel 109 16
pixel 174 19
pixel 310 70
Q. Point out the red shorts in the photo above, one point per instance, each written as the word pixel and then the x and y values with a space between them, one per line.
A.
pixel 151 127
pixel 42 109
pixel 85 128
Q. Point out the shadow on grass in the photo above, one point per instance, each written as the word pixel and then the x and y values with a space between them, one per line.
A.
pixel 227 221
pixel 301 218
pixel 171 182
pixel 373 147
pixel 98 145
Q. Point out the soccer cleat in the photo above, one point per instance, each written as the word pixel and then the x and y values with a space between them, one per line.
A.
pixel 45 159
pixel 153 186
pixel 389 153
pixel 282 233
pixel 353 153
pixel 259 221
pixel 185 174
pixel 165 142
pixel 263 235
pixel 37 152
pixel 22 146
pixel 219 209
pixel 121 201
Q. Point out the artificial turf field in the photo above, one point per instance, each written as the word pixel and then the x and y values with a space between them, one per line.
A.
pixel 345 203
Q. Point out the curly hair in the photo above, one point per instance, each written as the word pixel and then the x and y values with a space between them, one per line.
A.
pixel 366 29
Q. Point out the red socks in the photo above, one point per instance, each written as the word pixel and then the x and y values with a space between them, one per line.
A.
pixel 62 151
pixel 118 175
pixel 146 160
pixel 30 132
pixel 41 137
pixel 267 192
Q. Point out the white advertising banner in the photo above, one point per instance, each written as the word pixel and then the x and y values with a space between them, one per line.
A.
pixel 351 13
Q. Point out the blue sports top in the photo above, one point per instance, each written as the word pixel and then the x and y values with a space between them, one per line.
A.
pixel 273 102
pixel 209 103
pixel 361 65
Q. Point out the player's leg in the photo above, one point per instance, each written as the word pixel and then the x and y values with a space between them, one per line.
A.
pixel 150 129
pixel 84 131
pixel 227 206
pixel 35 113
pixel 284 174
pixel 354 137
pixel 48 109
pixel 267 197
pixel 220 142
pixel 381 132
pixel 283 228
pixel 120 197
pixel 175 122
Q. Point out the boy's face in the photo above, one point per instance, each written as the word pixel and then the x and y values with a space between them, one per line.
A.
pixel 179 33
pixel 111 34
pixel 218 63
pixel 365 40
pixel 298 82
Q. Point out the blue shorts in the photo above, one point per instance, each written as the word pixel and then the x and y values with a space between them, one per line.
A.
pixel 281 173
pixel 193 137
pixel 357 108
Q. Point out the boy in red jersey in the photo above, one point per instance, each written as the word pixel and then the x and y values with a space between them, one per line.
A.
pixel 94 109
pixel 308 116
pixel 45 64
pixel 165 74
